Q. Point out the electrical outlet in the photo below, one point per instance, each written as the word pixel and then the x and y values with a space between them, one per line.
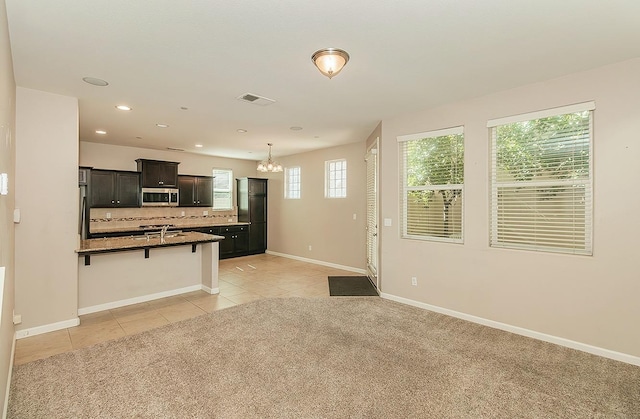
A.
pixel 414 281
pixel 354 216
pixel 205 212
pixel 182 213
pixel 17 318
pixel 108 216
pixel 309 247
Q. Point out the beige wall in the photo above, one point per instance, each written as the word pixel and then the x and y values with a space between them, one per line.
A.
pixel 105 156
pixel 47 195
pixel 7 165
pixel 588 299
pixel 327 225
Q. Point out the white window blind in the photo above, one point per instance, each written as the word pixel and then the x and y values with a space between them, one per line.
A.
pixel 432 185
pixel 541 181
pixel 372 212
pixel 335 179
pixel 222 189
pixel 292 183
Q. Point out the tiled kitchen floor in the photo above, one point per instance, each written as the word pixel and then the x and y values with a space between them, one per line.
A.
pixel 241 280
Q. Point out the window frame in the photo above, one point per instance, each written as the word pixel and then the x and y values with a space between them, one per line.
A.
pixel 572 184
pixel 403 140
pixel 292 187
pixel 229 191
pixel 331 191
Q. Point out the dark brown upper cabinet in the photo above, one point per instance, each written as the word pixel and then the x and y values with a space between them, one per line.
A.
pixel 195 191
pixel 114 188
pixel 158 174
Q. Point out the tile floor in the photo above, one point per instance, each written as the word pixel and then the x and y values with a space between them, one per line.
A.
pixel 241 280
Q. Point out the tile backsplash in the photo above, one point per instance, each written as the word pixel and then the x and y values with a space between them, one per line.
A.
pixel 122 219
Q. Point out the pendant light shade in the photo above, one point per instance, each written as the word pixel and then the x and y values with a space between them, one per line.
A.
pixel 330 61
pixel 269 165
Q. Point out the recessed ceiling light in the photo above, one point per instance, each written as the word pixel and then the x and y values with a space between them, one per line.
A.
pixel 123 107
pixel 162 125
pixel 295 128
pixel 184 108
pixel 241 131
pixel 101 131
pixel 199 145
pixel 95 81
pixel 139 138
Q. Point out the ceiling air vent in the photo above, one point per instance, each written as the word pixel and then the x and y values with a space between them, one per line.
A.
pixel 255 99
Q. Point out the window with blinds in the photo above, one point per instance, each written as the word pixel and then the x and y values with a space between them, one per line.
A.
pixel 335 185
pixel 541 180
pixel 222 189
pixel 292 183
pixel 432 185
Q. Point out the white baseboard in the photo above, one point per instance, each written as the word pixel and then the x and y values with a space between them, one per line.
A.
pixel 210 290
pixel 319 262
pixel 6 395
pixel 136 300
pixel 38 330
pixel 594 350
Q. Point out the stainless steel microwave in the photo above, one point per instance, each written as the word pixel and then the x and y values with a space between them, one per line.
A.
pixel 158 197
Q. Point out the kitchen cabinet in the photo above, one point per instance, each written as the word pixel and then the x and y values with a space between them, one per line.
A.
pixel 195 191
pixel 236 239
pixel 252 208
pixel 158 174
pixel 114 188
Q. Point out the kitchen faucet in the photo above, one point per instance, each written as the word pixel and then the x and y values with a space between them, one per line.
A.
pixel 163 232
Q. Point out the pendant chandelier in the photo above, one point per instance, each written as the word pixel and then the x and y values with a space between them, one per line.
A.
pixel 330 61
pixel 269 165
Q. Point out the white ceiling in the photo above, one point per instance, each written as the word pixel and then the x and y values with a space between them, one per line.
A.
pixel 406 55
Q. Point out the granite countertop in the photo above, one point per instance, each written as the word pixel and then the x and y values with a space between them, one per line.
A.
pixel 107 229
pixel 111 244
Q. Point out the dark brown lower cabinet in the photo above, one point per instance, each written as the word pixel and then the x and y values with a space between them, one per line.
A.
pixel 236 240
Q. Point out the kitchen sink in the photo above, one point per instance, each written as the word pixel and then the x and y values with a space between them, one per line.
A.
pixel 168 235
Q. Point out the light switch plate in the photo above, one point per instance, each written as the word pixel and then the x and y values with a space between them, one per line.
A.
pixel 387 222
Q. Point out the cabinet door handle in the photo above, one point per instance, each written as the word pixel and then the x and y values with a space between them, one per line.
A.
pixel 118 202
pixel 113 202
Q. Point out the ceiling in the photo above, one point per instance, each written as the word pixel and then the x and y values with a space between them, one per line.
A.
pixel 161 56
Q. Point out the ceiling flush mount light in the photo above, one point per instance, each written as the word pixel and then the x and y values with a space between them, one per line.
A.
pixel 162 125
pixel 269 165
pixel 296 128
pixel 123 107
pixel 330 61
pixel 199 146
pixel 101 132
pixel 241 131
pixel 95 81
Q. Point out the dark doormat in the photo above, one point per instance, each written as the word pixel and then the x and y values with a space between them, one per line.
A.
pixel 351 286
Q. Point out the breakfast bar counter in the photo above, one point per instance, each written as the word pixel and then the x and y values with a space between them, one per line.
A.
pixel 119 271
pixel 117 244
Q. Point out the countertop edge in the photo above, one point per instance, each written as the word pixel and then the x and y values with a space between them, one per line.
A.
pixel 113 244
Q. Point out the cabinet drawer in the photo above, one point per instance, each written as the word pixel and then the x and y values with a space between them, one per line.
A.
pixel 232 229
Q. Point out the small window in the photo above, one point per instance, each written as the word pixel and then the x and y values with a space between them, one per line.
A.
pixel 292 183
pixel 541 180
pixel 432 185
pixel 222 189
pixel 335 179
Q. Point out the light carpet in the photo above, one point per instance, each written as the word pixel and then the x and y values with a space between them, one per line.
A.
pixel 324 358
